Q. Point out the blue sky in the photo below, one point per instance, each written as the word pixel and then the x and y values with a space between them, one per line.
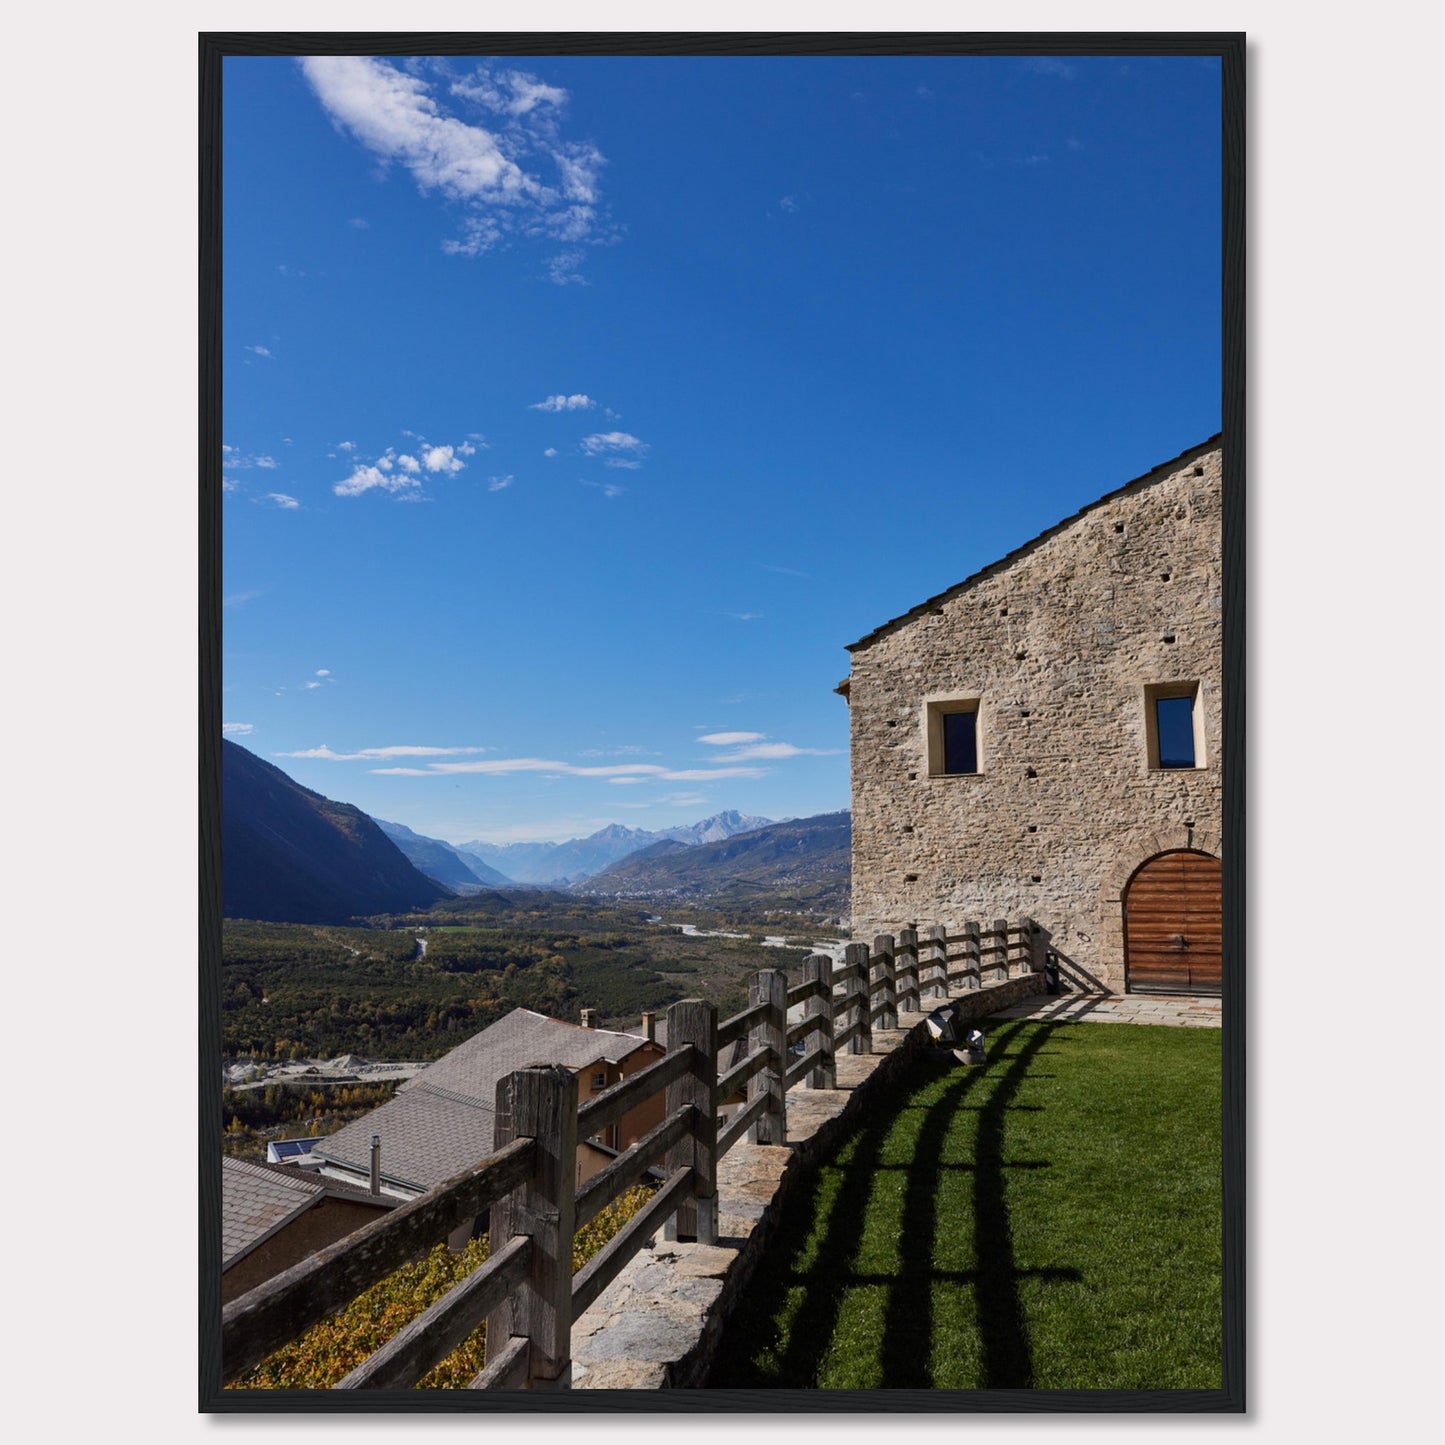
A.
pixel 579 411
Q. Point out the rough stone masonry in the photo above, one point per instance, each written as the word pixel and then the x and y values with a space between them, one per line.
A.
pixel 1060 648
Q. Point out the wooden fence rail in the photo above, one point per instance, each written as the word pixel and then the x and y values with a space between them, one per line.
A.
pixel 526 1291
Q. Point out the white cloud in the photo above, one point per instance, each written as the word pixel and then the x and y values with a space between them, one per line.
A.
pixel 376 754
pixel 239 599
pixel 506 766
pixel 287 504
pixel 746 616
pixel 789 203
pixel 608 489
pixel 578 401
pixel 441 459
pixel 499 484
pixel 562 268
pixel 346 446
pixel 237 729
pixel 728 740
pixel 259 351
pixel 235 460
pixel 309 685
pixel 550 452
pixel 323 672
pixel 512 172
pixel 408 463
pixel 365 478
pixel 228 485
pixel 359 223
pixel 622 462
pixel 604 443
pixel 771 751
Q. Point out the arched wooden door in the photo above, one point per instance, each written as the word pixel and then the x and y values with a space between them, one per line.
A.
pixel 1173 923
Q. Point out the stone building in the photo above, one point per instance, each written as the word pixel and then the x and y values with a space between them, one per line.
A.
pixel 1044 739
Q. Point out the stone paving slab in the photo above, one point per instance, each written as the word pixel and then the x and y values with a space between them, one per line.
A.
pixel 1177 1011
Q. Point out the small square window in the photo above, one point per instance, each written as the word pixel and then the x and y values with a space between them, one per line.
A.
pixel 953 738
pixel 599 1081
pixel 1176 726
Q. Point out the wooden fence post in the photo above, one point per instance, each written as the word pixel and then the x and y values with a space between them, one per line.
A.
pixel 972 965
pixel 934 964
pixel 883 963
pixel 1000 957
pixel 818 968
pixel 1026 945
pixel 907 970
pixel 1038 947
pixel 855 955
pixel 539 1102
pixel 770 986
pixel 694 1021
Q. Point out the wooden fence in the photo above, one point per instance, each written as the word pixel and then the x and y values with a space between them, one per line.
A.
pixel 526 1291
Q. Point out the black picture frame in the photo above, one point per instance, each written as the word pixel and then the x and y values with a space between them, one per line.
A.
pixel 1230 48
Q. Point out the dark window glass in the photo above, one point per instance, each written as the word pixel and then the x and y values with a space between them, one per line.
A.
pixel 1175 719
pixel 960 742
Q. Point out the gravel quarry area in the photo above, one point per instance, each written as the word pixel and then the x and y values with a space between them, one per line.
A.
pixel 346 1069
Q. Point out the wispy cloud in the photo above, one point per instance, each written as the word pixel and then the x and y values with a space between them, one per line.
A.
pixel 751 747
pixel 235 460
pixel 488 141
pixel 788 572
pixel 744 616
pixel 550 452
pixel 287 504
pixel 237 729
pixel 578 401
pixel 239 599
pixel 500 484
pixel 506 766
pixel 608 489
pixel 367 755
pixel 612 443
pixel 259 351
pixel 359 223
pixel 789 203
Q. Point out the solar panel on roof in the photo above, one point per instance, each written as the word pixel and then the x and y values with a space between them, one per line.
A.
pixel 290 1148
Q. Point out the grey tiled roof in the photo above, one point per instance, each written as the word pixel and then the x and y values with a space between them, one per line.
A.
pixel 427 1137
pixel 258 1199
pixel 441 1122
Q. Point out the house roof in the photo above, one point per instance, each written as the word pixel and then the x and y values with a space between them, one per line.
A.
pixel 1154 474
pixel 257 1200
pixel 441 1123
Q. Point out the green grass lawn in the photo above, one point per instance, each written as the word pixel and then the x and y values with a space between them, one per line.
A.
pixel 1048 1221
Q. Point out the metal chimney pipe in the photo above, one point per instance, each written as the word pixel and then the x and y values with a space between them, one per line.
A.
pixel 376 1163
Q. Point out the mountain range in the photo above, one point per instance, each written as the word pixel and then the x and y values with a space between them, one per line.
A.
pixel 580 858
pixel 801 865
pixel 292 856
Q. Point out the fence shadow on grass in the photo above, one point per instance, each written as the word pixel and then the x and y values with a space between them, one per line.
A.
pixel 827 1272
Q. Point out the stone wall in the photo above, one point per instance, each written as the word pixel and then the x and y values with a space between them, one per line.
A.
pixel 1058 643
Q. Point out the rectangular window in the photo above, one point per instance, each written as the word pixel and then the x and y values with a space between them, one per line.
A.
pixel 960 742
pixel 951 728
pixel 1175 726
pixel 1174 722
pixel 599 1081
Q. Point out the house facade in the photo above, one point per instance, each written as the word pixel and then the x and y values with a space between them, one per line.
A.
pixel 442 1122
pixel 1045 739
